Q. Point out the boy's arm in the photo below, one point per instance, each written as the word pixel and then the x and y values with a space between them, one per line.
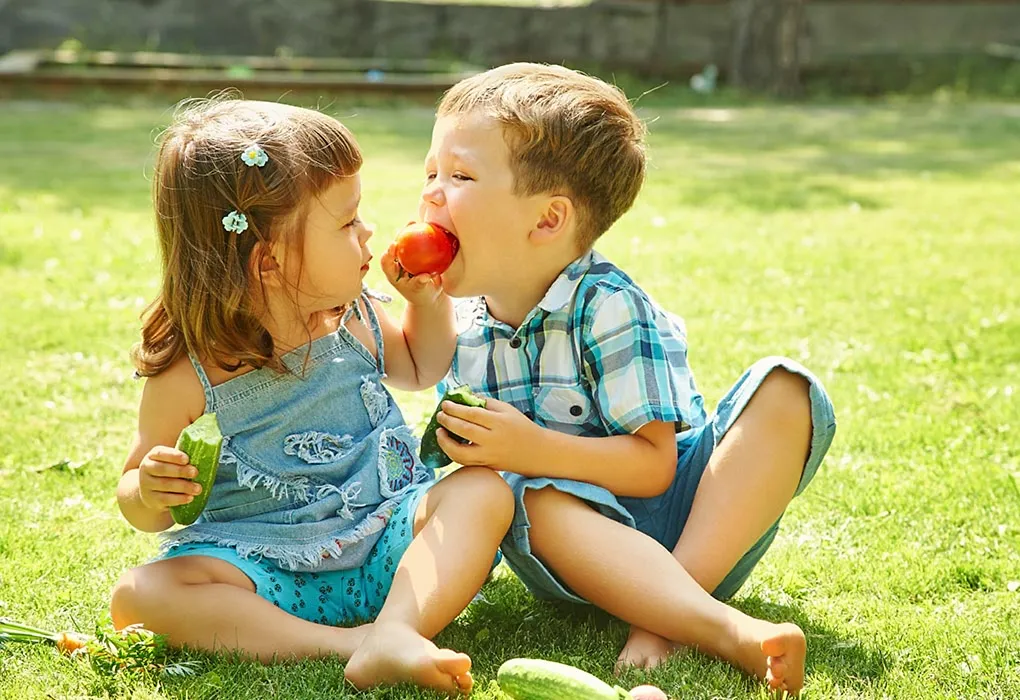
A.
pixel 170 402
pixel 419 350
pixel 641 465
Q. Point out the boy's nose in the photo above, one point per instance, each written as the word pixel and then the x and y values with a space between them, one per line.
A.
pixel 432 194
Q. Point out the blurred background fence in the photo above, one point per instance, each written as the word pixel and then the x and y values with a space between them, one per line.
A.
pixel 652 37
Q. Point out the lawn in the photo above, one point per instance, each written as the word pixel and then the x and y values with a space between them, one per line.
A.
pixel 879 244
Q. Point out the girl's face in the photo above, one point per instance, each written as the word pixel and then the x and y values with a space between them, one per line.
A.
pixel 335 255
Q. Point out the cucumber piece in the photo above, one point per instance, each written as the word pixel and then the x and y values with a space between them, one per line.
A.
pixel 432 456
pixel 202 442
pixel 537 679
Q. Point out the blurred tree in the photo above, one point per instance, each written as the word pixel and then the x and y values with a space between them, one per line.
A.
pixel 766 54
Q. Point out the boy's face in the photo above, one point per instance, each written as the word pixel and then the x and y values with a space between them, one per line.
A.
pixel 469 190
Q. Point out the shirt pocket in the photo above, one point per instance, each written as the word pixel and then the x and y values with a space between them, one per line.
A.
pixel 566 408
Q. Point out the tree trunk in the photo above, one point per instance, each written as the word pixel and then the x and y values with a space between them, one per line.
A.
pixel 766 55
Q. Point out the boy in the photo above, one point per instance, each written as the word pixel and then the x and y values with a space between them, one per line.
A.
pixel 628 495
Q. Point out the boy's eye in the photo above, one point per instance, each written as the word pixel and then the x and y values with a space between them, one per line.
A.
pixel 429 177
pixel 461 176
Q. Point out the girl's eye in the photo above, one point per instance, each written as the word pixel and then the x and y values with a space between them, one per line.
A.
pixel 353 222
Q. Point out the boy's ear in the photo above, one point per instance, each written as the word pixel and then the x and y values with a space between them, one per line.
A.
pixel 557 219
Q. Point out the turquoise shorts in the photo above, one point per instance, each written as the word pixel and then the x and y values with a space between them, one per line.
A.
pixel 348 597
pixel 663 517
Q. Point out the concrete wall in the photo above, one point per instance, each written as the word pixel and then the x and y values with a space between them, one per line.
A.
pixel 612 33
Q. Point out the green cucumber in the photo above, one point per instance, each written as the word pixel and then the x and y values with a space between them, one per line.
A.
pixel 201 441
pixel 537 679
pixel 432 455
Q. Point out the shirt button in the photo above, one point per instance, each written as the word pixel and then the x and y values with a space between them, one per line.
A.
pixel 515 343
pixel 576 410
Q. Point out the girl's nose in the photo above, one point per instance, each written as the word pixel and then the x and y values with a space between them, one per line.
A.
pixel 367 231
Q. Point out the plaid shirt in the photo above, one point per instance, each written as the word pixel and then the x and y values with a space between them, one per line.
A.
pixel 596 357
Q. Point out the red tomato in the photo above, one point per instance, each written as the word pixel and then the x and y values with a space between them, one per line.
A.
pixel 424 248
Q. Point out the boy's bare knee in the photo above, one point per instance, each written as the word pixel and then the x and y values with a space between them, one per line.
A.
pixel 785 398
pixel 541 502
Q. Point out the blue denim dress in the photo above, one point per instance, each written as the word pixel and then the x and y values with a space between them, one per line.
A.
pixel 315 460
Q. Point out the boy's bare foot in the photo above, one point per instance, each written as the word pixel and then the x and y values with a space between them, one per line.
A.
pixel 643 650
pixel 773 653
pixel 785 651
pixel 392 653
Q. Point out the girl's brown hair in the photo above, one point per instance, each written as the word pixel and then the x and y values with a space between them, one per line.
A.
pixel 206 304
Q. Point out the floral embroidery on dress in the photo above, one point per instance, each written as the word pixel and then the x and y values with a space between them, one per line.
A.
pixel 317 448
pixel 399 466
pixel 375 400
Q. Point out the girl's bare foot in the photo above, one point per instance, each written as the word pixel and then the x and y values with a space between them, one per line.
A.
pixel 644 650
pixel 393 652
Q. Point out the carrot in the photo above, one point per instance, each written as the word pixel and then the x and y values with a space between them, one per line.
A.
pixel 67 642
pixel 70 642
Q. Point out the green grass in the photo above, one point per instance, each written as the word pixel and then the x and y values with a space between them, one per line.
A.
pixel 878 244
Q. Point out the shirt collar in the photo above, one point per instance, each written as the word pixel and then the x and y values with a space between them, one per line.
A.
pixel 559 294
pixel 563 287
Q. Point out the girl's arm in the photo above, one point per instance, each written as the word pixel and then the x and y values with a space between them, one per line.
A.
pixel 157 476
pixel 419 350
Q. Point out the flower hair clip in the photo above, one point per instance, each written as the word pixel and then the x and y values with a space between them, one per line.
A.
pixel 235 222
pixel 254 155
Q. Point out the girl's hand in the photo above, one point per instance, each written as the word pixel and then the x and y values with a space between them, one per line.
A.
pixel 501 437
pixel 164 479
pixel 420 289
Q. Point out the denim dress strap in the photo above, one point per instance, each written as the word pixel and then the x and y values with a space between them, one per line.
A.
pixel 207 389
pixel 373 323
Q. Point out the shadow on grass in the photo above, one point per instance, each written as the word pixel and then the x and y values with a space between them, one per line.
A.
pixel 513 624
pixel 86 157
pixel 856 141
pixel 509 623
pixel 768 192
pixel 763 158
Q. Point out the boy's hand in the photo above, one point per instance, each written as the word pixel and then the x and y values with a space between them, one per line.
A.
pixel 420 289
pixel 501 437
pixel 164 479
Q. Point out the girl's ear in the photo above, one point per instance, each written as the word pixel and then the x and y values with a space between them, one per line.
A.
pixel 557 218
pixel 266 264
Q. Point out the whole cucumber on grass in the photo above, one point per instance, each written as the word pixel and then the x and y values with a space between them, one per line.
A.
pixel 432 456
pixel 537 679
pixel 202 442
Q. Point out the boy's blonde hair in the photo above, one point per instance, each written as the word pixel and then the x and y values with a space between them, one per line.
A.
pixel 567 133
pixel 206 304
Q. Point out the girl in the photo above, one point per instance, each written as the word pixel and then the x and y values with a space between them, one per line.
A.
pixel 321 513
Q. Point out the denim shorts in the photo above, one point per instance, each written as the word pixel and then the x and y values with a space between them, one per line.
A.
pixel 663 517
pixel 347 597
